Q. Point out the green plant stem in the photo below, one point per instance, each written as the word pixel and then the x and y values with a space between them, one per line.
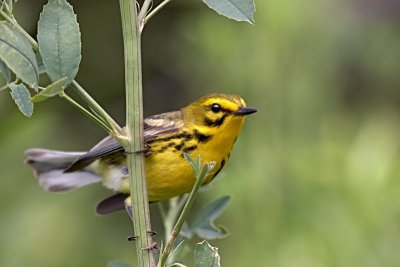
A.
pixel 134 129
pixel 21 30
pixel 86 112
pixel 155 10
pixel 142 14
pixel 182 217
pixel 175 207
pixel 116 129
pixel 4 87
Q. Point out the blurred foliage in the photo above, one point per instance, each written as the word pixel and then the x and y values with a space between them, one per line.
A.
pixel 314 175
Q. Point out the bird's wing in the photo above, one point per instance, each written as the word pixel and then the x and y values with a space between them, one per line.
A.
pixel 154 127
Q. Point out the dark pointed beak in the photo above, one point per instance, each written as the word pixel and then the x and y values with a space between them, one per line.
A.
pixel 242 111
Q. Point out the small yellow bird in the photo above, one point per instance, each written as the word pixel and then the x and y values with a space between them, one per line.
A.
pixel 207 127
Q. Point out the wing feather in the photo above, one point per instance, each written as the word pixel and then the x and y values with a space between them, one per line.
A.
pixel 154 127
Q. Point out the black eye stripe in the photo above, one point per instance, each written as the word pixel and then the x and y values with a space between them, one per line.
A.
pixel 215 123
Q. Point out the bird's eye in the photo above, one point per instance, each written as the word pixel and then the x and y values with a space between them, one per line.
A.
pixel 215 108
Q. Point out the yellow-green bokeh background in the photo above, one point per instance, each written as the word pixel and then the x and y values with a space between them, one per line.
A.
pixel 314 176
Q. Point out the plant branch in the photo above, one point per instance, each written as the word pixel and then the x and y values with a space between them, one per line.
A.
pixel 134 129
pixel 155 10
pixel 175 207
pixel 185 212
pixel 86 112
pixel 143 12
pixel 116 129
pixel 21 30
pixel 4 87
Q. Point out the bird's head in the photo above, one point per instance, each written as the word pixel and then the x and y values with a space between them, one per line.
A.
pixel 217 111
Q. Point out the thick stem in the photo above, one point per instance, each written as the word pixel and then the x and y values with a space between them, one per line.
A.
pixel 134 129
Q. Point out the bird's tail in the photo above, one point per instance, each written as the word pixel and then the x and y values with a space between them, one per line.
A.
pixel 49 166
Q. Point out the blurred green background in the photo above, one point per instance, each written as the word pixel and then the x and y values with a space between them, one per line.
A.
pixel 314 177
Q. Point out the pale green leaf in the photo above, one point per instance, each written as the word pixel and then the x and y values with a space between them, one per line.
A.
pixel 59 40
pixel 180 250
pixel 117 264
pixel 198 164
pixel 206 255
pixel 22 98
pixel 5 71
pixel 239 10
pixel 17 54
pixel 193 164
pixel 186 232
pixel 203 224
pixel 51 90
pixel 39 60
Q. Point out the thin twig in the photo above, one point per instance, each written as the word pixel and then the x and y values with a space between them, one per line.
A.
pixel 182 217
pixel 155 10
pixel 143 12
pixel 4 87
pixel 117 131
pixel 86 112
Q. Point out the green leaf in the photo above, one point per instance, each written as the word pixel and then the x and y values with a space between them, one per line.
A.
pixel 51 90
pixel 5 71
pixel 198 164
pixel 186 232
pixel 117 264
pixel 59 40
pixel 17 54
pixel 39 60
pixel 206 255
pixel 194 164
pixel 179 253
pixel 22 98
pixel 239 10
pixel 203 224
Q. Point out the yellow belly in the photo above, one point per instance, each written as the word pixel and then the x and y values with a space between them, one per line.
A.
pixel 168 175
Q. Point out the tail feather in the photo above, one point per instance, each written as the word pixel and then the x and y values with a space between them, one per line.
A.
pixel 49 166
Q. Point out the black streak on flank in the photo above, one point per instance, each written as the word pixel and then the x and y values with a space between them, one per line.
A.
pixel 164 148
pixel 202 138
pixel 185 135
pixel 216 123
pixel 178 147
pixel 189 148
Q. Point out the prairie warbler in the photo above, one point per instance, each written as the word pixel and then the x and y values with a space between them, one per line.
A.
pixel 207 127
